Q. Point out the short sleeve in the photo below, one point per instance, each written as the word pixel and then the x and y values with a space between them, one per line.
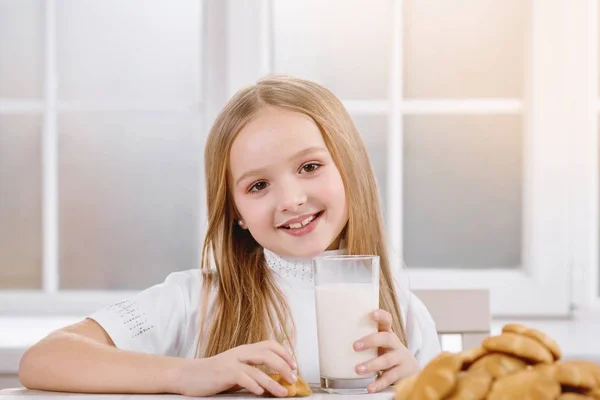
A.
pixel 153 321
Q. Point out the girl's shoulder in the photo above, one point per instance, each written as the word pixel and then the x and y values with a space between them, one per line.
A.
pixel 188 280
pixel 155 320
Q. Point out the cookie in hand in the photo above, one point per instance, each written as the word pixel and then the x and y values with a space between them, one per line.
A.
pixel 299 389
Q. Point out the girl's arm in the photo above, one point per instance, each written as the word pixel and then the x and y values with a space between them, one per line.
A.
pixel 83 358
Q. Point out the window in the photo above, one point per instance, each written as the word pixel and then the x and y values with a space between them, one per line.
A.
pixel 463 107
pixel 102 128
pixel 481 119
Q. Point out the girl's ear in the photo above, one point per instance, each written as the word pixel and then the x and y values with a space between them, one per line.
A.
pixel 238 217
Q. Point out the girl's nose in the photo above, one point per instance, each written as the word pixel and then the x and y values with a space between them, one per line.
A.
pixel 292 197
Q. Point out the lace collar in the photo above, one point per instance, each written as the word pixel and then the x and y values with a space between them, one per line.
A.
pixel 294 268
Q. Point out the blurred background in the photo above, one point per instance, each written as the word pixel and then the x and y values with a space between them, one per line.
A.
pixel 480 117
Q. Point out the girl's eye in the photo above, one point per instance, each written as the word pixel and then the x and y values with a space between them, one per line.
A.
pixel 258 186
pixel 310 167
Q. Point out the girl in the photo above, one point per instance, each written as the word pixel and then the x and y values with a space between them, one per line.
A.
pixel 288 178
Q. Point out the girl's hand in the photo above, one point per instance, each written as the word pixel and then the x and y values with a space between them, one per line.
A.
pixel 235 369
pixel 394 359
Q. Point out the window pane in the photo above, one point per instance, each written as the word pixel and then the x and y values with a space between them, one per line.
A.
pixel 373 130
pixel 468 48
pixel 462 191
pixel 129 198
pixel 136 50
pixel 20 202
pixel 343 44
pixel 21 53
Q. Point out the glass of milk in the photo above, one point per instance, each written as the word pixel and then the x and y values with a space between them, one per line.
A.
pixel 346 293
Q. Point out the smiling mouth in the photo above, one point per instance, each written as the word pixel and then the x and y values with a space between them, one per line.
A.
pixel 303 223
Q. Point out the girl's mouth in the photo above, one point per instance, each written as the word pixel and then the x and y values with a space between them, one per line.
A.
pixel 303 227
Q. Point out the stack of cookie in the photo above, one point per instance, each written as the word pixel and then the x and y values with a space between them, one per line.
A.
pixel 520 363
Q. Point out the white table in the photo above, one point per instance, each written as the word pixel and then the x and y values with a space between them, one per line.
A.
pixel 21 394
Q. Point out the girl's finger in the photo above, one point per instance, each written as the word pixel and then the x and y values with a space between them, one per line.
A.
pixel 281 351
pixel 235 388
pixel 387 340
pixel 386 361
pixel 262 356
pixel 246 381
pixel 386 379
pixel 266 382
pixel 384 319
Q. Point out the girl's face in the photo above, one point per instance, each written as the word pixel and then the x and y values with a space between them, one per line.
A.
pixel 286 186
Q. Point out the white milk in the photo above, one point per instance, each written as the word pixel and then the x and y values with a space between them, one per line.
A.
pixel 343 317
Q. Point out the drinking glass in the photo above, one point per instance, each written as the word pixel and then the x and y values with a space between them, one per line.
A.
pixel 346 293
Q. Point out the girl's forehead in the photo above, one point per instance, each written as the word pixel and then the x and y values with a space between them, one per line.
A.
pixel 273 136
pixel 272 125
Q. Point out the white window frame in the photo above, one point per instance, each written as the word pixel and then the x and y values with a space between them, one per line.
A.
pixel 586 164
pixel 560 213
pixel 237 39
pixel 49 300
pixel 554 184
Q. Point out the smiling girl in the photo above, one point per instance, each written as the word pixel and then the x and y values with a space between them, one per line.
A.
pixel 288 178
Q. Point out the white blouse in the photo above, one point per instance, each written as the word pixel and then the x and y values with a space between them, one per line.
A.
pixel 163 319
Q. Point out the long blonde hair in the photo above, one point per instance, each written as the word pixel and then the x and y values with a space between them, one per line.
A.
pixel 248 305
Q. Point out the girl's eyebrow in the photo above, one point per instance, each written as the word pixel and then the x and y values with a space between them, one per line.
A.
pixel 307 151
pixel 301 153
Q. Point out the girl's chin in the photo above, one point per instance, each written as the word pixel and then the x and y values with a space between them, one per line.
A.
pixel 305 246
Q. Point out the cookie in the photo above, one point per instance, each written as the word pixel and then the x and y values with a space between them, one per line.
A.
pixel 594 393
pixel 525 385
pixel 438 378
pixel 537 335
pixel 573 374
pixel 574 396
pixel 498 365
pixel 546 369
pixel 593 368
pixel 302 388
pixel 471 386
pixel 519 346
pixel 404 387
pixel 299 389
pixel 472 355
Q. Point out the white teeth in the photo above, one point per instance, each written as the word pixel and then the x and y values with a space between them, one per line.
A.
pixel 301 224
pixel 307 220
